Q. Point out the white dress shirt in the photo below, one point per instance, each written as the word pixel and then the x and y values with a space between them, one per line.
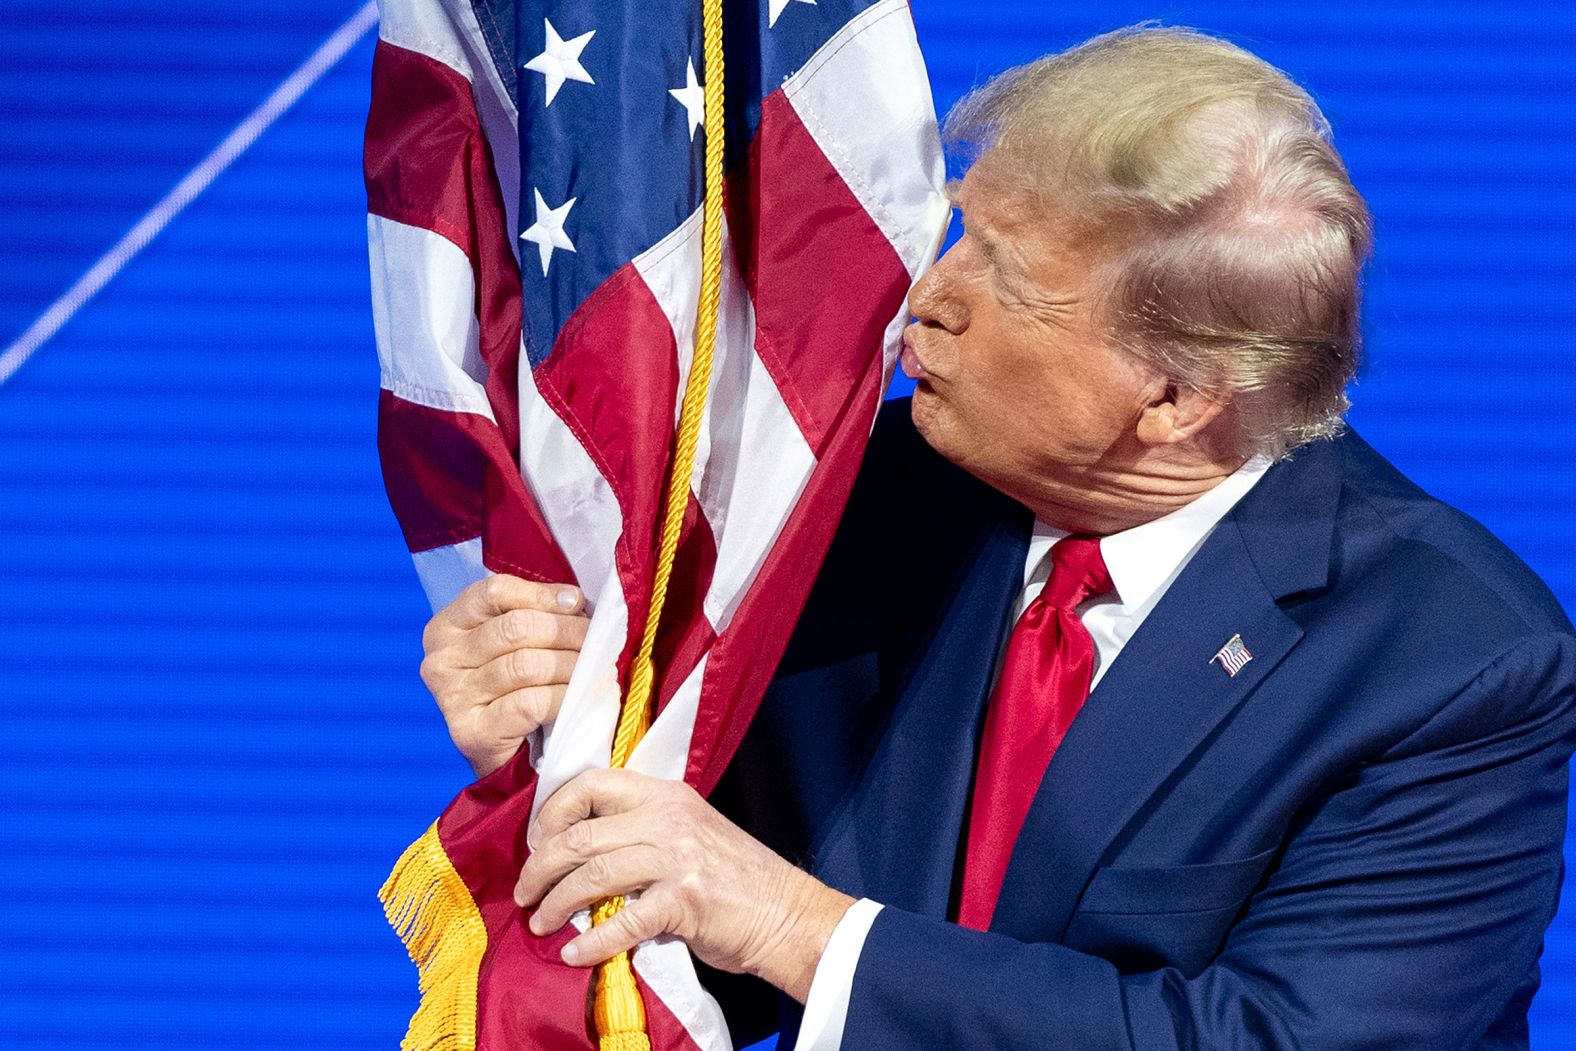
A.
pixel 1143 561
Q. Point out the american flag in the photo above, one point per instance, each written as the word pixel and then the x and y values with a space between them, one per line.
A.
pixel 534 185
pixel 1233 656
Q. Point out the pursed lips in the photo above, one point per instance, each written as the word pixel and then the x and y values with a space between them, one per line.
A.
pixel 913 366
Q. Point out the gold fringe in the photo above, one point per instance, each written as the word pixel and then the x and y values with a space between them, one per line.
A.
pixel 433 912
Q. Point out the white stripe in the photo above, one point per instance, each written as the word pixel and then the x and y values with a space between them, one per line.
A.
pixel 865 99
pixel 423 296
pixel 664 751
pixel 666 966
pixel 752 461
pixel 582 737
pixel 447 571
pixel 585 520
pixel 447 31
pixel 759 462
pixel 195 182
pixel 578 503
pixel 671 270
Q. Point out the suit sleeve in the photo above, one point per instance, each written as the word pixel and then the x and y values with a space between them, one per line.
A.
pixel 1408 904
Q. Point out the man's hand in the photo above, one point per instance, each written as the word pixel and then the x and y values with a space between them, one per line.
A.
pixel 738 905
pixel 498 662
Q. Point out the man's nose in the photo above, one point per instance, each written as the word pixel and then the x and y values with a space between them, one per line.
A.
pixel 932 301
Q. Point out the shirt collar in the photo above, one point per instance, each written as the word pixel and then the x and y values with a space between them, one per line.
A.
pixel 1145 559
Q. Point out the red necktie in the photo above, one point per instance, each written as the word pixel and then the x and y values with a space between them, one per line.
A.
pixel 1044 682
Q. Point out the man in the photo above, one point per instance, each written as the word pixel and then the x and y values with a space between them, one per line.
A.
pixel 1138 703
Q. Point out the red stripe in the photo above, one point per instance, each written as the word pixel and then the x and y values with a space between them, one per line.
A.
pixel 745 656
pixel 427 164
pixel 824 278
pixel 526 997
pixel 449 478
pixel 795 221
pixel 612 377
pixel 434 469
pixel 685 633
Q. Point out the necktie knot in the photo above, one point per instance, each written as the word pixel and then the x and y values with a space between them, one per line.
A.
pixel 1078 572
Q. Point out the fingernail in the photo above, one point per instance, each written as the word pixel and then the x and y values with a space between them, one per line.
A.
pixel 536 927
pixel 571 954
pixel 568 598
pixel 531 833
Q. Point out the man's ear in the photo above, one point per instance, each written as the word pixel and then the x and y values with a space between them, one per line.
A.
pixel 1176 414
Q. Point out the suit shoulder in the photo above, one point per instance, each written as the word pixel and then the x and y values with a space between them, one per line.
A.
pixel 1448 563
pixel 1426 619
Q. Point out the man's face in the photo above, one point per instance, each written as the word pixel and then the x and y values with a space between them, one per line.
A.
pixel 1018 381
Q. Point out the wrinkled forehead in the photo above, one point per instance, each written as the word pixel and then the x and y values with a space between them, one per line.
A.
pixel 998 196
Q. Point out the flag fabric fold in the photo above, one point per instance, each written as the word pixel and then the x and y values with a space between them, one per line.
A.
pixel 534 193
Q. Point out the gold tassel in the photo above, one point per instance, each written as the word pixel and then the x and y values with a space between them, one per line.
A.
pixel 617 1010
pixel 433 912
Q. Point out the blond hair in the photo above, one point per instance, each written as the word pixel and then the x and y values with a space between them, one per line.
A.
pixel 1240 272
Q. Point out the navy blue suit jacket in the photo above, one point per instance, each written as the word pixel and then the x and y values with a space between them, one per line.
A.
pixel 1355 842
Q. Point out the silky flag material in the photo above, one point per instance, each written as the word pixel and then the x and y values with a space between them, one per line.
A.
pixel 534 179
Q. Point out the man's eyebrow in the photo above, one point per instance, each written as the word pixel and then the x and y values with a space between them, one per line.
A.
pixel 988 248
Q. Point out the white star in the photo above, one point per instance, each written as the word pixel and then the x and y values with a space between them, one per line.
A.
pixel 692 96
pixel 560 60
pixel 775 8
pixel 548 230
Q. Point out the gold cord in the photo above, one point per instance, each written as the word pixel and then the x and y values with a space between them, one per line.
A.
pixel 618 1012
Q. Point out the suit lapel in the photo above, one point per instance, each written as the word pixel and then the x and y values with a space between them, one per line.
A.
pixel 1164 696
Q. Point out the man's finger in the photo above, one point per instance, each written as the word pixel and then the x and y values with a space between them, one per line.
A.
pixel 638 921
pixel 520 629
pixel 620 871
pixel 522 669
pixel 520 712
pixel 593 793
pixel 553 859
pixel 500 593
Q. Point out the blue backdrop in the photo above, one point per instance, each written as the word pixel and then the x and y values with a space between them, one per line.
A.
pixel 215 740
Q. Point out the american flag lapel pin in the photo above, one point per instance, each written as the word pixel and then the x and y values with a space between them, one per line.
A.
pixel 1233 656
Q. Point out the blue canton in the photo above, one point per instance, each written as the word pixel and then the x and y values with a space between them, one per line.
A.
pixel 608 162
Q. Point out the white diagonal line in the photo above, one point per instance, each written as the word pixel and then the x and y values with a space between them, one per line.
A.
pixel 194 183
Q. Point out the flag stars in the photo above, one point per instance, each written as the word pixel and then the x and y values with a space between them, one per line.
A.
pixel 560 61
pixel 692 96
pixel 547 233
pixel 774 9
